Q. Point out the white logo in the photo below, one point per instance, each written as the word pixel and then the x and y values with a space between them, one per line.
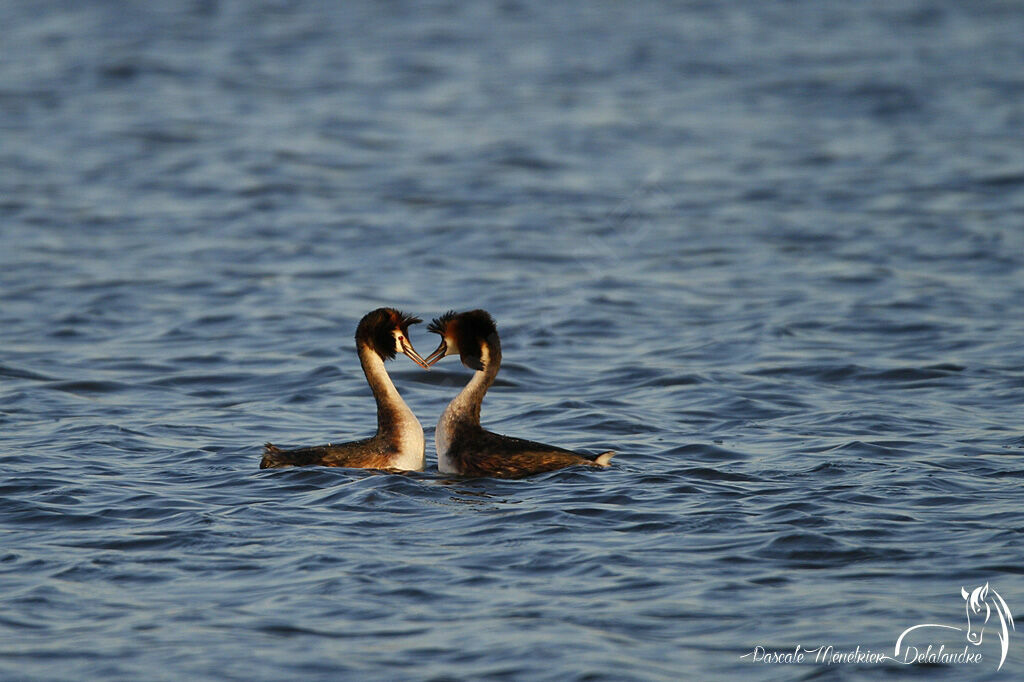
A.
pixel 980 600
pixel 981 604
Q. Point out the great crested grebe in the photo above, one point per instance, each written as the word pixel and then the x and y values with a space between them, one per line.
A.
pixel 463 446
pixel 398 443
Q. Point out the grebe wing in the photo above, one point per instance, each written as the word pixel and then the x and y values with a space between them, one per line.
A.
pixel 491 454
pixel 360 454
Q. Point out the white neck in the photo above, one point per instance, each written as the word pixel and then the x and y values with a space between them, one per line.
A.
pixel 394 418
pixel 465 407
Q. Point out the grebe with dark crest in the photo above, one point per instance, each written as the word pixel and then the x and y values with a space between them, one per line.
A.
pixel 463 446
pixel 398 443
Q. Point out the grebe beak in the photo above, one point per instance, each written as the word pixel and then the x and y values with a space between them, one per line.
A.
pixel 438 353
pixel 413 355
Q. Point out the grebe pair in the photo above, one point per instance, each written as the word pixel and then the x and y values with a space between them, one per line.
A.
pixel 463 446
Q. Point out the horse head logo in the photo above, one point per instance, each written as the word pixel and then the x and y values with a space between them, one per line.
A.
pixel 982 602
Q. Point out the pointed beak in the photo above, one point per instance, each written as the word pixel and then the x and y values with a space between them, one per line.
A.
pixel 413 355
pixel 438 353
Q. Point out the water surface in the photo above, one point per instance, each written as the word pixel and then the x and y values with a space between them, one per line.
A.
pixel 770 252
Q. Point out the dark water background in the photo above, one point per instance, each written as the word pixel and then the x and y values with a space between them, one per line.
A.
pixel 771 252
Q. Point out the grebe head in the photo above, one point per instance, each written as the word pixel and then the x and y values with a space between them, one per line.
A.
pixel 465 334
pixel 386 332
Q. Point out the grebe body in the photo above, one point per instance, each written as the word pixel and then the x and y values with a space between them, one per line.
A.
pixel 398 443
pixel 463 446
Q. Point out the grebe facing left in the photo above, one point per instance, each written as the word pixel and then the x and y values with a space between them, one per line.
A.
pixel 398 443
pixel 463 446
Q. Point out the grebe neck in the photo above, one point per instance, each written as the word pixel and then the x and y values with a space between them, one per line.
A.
pixel 392 412
pixel 464 409
pixel 466 405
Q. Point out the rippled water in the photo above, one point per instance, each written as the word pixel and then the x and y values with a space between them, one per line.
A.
pixel 770 252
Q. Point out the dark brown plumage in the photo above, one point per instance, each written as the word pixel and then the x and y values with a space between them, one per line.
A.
pixel 369 453
pixel 376 327
pixel 477 452
pixel 470 329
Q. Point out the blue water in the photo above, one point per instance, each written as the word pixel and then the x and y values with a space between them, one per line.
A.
pixel 770 252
